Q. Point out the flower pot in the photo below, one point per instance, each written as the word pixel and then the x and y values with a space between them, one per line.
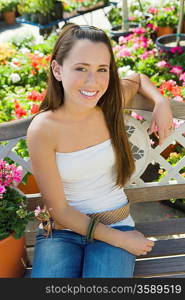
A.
pixel 164 30
pixel 30 187
pixel 34 17
pixel 12 257
pixel 9 17
pixel 167 42
pixel 58 10
pixel 43 19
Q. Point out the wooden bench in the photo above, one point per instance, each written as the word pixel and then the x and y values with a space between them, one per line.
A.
pixel 167 259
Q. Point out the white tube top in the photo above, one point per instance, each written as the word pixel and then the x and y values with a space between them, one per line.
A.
pixel 88 176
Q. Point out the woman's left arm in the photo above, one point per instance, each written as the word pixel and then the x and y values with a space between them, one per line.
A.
pixel 162 119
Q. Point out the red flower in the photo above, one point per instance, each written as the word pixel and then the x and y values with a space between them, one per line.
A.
pixel 35 108
pixel 36 96
pixel 19 111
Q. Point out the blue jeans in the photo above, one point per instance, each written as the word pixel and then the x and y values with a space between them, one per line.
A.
pixel 68 255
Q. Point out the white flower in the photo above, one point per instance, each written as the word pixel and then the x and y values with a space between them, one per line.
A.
pixel 125 71
pixel 39 53
pixel 15 60
pixel 138 13
pixel 12 65
pixel 15 77
pixel 24 50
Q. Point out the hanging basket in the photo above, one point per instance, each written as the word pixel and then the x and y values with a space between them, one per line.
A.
pixel 167 42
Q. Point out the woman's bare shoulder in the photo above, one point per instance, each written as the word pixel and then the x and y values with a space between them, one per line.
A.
pixel 43 127
pixel 43 122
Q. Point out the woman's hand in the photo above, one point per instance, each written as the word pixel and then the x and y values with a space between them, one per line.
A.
pixel 162 120
pixel 135 242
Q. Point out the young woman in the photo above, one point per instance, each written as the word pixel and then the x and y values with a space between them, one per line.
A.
pixel 81 160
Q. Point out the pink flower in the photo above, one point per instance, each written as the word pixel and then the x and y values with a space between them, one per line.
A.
pixel 37 211
pixel 2 189
pixel 177 123
pixel 139 30
pixel 177 49
pixel 172 8
pixel 124 52
pixel 177 70
pixel 153 10
pixel 178 98
pixel 163 64
pixel 136 116
pixel 122 40
pixel 182 77
pixel 131 18
pixel 152 26
pixel 116 48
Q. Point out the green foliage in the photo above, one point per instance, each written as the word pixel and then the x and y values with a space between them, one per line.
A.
pixel 114 16
pixel 8 5
pixel 14 214
pixel 178 60
pixel 147 66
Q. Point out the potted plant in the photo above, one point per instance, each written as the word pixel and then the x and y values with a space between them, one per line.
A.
pixel 165 18
pixel 177 40
pixel 122 23
pixel 8 8
pixel 23 8
pixel 14 216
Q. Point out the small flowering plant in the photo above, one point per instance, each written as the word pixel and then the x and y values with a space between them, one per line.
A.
pixel 43 215
pixel 14 213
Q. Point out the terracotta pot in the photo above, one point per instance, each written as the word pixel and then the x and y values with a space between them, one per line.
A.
pixel 13 257
pixel 164 30
pixel 9 17
pixel 30 187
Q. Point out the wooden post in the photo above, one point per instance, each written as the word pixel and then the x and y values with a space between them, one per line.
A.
pixel 181 16
pixel 125 24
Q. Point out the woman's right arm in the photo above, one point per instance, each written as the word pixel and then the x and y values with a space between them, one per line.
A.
pixel 41 147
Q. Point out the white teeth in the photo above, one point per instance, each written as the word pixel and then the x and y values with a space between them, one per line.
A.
pixel 88 93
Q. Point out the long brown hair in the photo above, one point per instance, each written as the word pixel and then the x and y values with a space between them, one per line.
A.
pixel 110 102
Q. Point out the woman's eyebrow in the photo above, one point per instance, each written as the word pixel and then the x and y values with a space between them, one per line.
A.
pixel 85 64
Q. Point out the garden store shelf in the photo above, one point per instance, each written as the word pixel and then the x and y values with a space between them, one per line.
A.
pixel 56 22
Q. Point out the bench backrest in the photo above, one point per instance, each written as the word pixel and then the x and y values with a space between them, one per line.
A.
pixel 137 189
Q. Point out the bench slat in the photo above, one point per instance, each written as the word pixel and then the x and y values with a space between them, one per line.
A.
pixel 155 193
pixel 166 227
pixel 160 267
pixel 167 247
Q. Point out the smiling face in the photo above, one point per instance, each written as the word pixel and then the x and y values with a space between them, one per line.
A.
pixel 84 74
